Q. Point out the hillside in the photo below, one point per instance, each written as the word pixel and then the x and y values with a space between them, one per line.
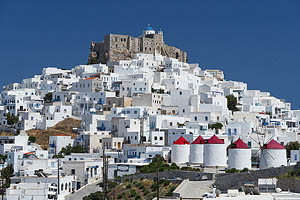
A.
pixel 64 127
pixel 135 189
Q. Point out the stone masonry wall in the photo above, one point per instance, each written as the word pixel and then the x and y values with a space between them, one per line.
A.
pixel 236 180
pixel 117 47
pixel 167 175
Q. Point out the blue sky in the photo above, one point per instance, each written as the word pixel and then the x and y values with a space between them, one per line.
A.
pixel 257 42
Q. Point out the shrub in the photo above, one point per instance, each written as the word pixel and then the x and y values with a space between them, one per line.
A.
pixel 232 170
pixel 154 186
pixel 128 186
pixel 31 139
pixel 174 166
pixel 132 193
pixel 141 187
pixel 245 170
pixel 170 192
pixel 231 103
pixel 137 184
pixel 145 192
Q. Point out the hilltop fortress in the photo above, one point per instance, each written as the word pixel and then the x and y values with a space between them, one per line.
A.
pixel 117 47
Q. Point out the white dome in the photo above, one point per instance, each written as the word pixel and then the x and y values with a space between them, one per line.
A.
pixel 239 158
pixel 196 153
pixel 272 158
pixel 214 155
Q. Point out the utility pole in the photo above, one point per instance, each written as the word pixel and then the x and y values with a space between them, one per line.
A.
pixel 2 188
pixel 105 171
pixel 58 181
pixel 157 180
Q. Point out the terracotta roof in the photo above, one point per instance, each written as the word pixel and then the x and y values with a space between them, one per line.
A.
pixel 273 144
pixel 181 141
pixel 239 144
pixel 90 78
pixel 28 153
pixel 61 135
pixel 215 140
pixel 199 140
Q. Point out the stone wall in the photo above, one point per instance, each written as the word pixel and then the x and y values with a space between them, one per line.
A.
pixel 117 47
pixel 168 175
pixel 291 184
pixel 236 180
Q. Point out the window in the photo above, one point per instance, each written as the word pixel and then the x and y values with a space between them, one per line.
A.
pixel 296 157
pixel 72 171
pixel 62 187
pixel 160 138
pixel 206 118
pixel 155 138
pixel 235 131
pixel 196 118
pixel 249 144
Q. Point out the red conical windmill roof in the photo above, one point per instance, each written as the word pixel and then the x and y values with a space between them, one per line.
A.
pixel 239 144
pixel 273 144
pixel 199 140
pixel 181 141
pixel 215 140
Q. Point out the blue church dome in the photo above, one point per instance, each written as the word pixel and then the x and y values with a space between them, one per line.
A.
pixel 148 28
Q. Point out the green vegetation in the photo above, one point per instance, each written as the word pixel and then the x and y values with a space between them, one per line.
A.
pixel 234 170
pixel 3 158
pixel 99 195
pixel 294 173
pixel 158 163
pixel 231 103
pixel 48 98
pixel 291 146
pixel 11 119
pixel 32 139
pixel 134 190
pixel 170 192
pixel 68 150
pixel 217 126
pixel 6 173
pixel 190 169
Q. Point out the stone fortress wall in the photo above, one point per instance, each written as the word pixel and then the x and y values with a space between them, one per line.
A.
pixel 117 47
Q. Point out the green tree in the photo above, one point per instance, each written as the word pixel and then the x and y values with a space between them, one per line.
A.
pixel 68 150
pixel 6 173
pixel 291 146
pixel 217 126
pixel 11 119
pixel 32 139
pixel 158 162
pixel 48 97
pixel 231 103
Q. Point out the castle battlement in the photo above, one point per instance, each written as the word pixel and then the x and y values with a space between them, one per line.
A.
pixel 117 47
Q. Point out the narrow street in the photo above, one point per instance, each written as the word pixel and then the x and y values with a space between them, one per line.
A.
pixel 86 190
